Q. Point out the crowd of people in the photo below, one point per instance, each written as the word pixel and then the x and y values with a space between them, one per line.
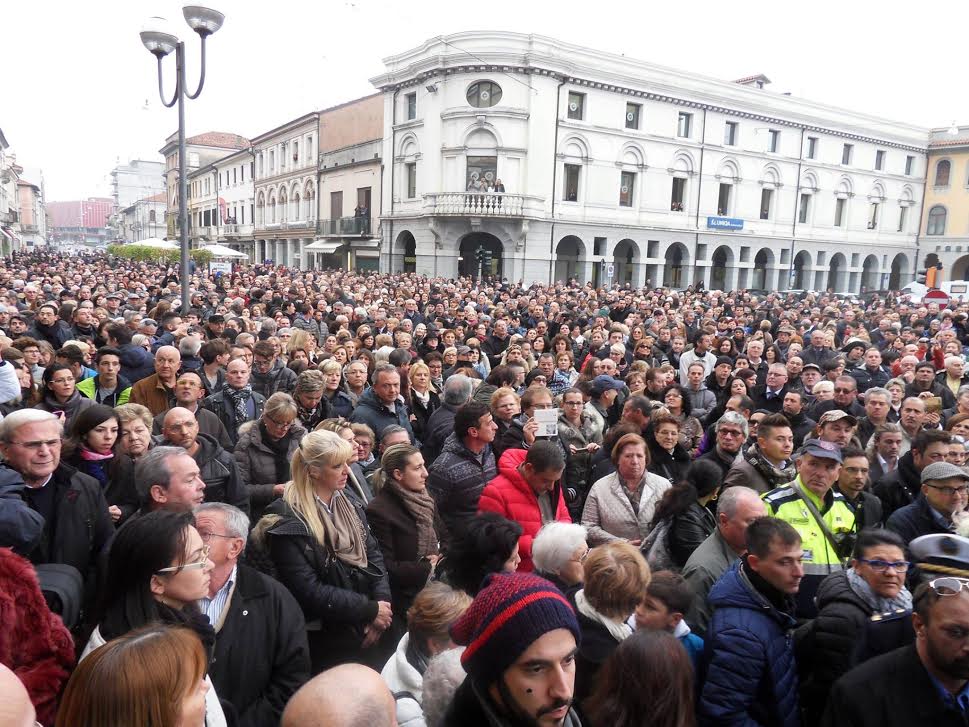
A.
pixel 348 498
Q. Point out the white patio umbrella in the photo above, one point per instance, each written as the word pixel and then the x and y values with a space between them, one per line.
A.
pixel 157 243
pixel 223 251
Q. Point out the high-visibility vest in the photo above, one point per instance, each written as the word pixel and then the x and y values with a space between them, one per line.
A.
pixel 784 503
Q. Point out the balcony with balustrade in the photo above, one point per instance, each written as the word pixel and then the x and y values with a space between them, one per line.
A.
pixel 483 204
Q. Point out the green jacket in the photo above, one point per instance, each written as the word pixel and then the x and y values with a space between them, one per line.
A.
pixel 89 389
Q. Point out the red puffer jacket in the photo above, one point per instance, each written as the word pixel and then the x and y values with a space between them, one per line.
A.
pixel 510 495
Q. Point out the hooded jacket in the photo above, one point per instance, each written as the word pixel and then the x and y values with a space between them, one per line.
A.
pixel 136 362
pixel 511 496
pixel 748 675
pixel 377 416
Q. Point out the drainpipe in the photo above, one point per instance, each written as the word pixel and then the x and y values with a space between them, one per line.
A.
pixel 555 168
pixel 797 200
pixel 393 168
pixel 699 190
pixel 918 232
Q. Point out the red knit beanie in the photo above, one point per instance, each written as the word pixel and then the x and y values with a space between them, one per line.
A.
pixel 512 611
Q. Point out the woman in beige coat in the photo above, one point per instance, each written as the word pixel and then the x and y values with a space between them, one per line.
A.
pixel 620 506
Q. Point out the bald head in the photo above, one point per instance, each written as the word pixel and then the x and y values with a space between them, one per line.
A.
pixel 15 707
pixel 180 427
pixel 344 696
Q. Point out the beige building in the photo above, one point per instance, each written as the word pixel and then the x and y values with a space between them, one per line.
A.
pixel 945 213
pixel 351 139
pixel 285 190
pixel 201 149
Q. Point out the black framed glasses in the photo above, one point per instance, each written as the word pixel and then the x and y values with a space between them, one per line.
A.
pixel 949 491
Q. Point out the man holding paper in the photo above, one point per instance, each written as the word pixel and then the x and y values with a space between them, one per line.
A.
pixel 528 490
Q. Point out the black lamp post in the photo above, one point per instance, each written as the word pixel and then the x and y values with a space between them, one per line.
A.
pixel 160 42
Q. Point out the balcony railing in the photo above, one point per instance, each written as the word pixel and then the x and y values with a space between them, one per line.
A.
pixel 345 227
pixel 233 230
pixel 482 204
pixel 30 229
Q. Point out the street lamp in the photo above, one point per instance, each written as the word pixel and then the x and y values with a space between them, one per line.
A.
pixel 158 38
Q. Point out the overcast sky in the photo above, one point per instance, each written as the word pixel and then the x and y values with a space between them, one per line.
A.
pixel 79 90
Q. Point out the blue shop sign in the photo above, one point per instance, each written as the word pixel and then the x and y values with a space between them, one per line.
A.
pixel 724 223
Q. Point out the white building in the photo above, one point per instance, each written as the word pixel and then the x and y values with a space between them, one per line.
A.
pixel 143 219
pixel 670 176
pixel 138 179
pixel 286 190
pixel 220 202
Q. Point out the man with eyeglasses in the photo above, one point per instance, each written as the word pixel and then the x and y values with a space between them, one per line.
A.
pixel 845 399
pixel 260 656
pixel 731 433
pixel 49 512
pixel 925 683
pixel 945 494
pixel 217 467
pixel 901 486
pixel 188 393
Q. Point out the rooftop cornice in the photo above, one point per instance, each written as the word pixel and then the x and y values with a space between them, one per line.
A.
pixel 532 54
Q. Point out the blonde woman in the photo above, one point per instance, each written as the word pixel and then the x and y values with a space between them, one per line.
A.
pixel 299 340
pixel 423 397
pixel 339 401
pixel 324 552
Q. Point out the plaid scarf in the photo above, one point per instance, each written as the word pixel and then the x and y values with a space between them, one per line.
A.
pixel 239 399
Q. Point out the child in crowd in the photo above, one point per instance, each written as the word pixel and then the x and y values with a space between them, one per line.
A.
pixel 667 598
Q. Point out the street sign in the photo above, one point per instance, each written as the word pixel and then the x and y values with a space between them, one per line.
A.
pixel 936 294
pixel 610 271
pixel 724 223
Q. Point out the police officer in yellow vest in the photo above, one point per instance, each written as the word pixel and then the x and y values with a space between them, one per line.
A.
pixel 820 515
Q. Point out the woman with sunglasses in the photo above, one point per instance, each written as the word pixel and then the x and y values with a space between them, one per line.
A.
pixel 158 569
pixel 875 583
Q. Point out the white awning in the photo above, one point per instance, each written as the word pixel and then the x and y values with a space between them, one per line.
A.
pixel 5 233
pixel 365 244
pixel 325 246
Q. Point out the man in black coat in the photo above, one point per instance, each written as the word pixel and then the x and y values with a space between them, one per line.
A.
pixel 71 524
pixel 901 486
pixel 943 494
pixel 852 483
pixel 261 656
pixel 923 684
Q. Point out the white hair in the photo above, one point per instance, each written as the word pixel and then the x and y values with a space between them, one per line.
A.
pixel 12 422
pixel 236 521
pixel 554 545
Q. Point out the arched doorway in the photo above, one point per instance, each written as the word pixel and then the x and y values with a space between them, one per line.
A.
pixel 899 275
pixel 569 256
pixel 480 244
pixel 674 269
pixel 802 276
pixel 836 273
pixel 625 258
pixel 960 269
pixel 764 258
pixel 406 246
pixel 722 258
pixel 869 274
